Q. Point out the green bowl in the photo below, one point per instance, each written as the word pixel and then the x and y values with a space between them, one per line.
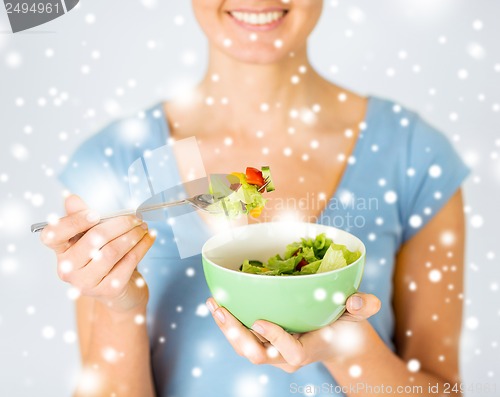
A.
pixel 296 303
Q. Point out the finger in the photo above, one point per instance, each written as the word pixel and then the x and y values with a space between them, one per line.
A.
pixel 58 235
pixel 92 274
pixel 286 367
pixel 260 338
pixel 123 272
pixel 74 204
pixel 91 243
pixel 362 306
pixel 288 346
pixel 243 341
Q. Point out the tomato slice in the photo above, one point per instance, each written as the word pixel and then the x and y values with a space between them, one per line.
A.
pixel 301 264
pixel 254 177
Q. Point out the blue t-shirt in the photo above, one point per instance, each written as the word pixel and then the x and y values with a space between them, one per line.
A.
pixel 401 173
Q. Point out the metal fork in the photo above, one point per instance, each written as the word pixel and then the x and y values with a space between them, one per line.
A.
pixel 201 202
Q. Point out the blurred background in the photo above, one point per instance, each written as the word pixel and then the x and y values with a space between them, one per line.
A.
pixel 63 81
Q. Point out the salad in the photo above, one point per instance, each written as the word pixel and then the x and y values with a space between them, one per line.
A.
pixel 308 256
pixel 245 192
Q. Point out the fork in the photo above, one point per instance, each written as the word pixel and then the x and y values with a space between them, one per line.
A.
pixel 200 201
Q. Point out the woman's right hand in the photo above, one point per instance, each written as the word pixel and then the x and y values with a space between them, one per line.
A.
pixel 100 260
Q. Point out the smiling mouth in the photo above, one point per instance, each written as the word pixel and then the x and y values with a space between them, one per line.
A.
pixel 258 19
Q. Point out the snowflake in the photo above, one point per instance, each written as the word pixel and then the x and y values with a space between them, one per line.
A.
pixel 69 337
pixel 435 275
pixel 149 3
pixel 9 266
pixel 320 294
pixel 139 319
pixel 90 19
pixel 447 238
pixel 463 74
pixel 390 197
pixel 356 15
pixel 73 293
pixel 476 221
pixel 435 171
pixel 48 332
pixel 355 371
pixel 442 40
pixel 415 221
pixel 472 323
pixel 109 354
pixel 19 152
pixel 179 20
pixel 202 310
pixel 339 298
pixel 477 24
pixel 196 372
pixel 14 60
pixel 476 51
pixel 263 379
pixel 413 365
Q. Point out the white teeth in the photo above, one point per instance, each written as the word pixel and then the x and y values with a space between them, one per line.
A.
pixel 261 18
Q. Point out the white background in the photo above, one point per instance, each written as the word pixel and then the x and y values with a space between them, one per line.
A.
pixel 61 82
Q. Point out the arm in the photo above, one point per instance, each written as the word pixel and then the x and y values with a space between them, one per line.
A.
pixel 379 365
pixel 428 319
pixel 114 349
pixel 100 261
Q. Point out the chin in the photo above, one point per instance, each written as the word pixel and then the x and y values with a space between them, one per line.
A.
pixel 257 56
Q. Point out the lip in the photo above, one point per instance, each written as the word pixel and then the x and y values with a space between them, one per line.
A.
pixel 258 28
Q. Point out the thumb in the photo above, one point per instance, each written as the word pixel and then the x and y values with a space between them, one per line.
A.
pixel 74 204
pixel 362 306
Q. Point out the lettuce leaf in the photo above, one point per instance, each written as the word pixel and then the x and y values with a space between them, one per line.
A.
pixel 311 268
pixel 333 259
pixel 282 265
pixel 321 254
pixel 349 256
pixel 239 202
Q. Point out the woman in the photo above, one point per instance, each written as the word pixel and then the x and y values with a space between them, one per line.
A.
pixel 364 164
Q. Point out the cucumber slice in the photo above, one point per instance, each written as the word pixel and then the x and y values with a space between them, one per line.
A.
pixel 266 174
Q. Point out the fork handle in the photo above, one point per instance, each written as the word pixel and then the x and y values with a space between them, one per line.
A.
pixel 38 227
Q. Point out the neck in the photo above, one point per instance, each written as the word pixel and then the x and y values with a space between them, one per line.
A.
pixel 260 96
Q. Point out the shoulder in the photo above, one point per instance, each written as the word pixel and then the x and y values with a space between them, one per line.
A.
pixel 426 167
pixel 406 135
pixel 101 162
pixel 132 134
pixel 400 123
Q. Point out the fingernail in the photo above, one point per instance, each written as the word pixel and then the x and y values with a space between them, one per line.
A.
pixel 220 316
pixel 210 306
pixel 93 217
pixel 356 302
pixel 258 328
pixel 144 226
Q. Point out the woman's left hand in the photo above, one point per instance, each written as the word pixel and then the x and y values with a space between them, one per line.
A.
pixel 268 343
